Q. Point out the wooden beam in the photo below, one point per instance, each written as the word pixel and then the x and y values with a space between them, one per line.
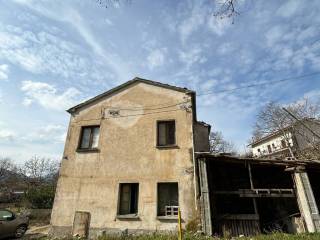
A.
pixel 253 193
pixel 252 187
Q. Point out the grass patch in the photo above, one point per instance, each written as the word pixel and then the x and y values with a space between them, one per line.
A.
pixel 191 236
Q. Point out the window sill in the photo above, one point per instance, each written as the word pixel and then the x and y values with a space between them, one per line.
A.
pixel 168 147
pixel 81 150
pixel 128 217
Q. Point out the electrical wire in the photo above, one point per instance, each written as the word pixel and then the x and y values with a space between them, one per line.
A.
pixel 217 92
pixel 131 115
pixel 259 84
pixel 146 108
pixel 201 94
pixel 139 114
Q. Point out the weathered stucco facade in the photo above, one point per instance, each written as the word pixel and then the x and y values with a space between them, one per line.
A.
pixel 128 153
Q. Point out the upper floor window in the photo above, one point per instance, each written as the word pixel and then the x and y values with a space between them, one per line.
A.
pixel 269 149
pixel 89 138
pixel 166 133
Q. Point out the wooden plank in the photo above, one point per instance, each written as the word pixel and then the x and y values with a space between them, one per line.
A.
pixel 234 227
pixel 205 198
pixel 239 216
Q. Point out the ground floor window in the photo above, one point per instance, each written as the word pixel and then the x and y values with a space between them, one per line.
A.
pixel 168 199
pixel 128 199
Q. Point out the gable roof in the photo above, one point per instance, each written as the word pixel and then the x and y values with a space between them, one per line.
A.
pixel 269 136
pixel 133 81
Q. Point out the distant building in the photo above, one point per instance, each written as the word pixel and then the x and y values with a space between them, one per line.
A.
pixel 296 136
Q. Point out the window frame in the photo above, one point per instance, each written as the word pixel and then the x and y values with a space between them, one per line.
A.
pixel 90 148
pixel 128 215
pixel 175 133
pixel 157 199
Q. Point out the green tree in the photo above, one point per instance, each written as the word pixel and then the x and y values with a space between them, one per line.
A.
pixel 41 197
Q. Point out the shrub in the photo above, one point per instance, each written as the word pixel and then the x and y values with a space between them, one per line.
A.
pixel 41 196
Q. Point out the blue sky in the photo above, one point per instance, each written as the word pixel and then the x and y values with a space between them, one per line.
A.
pixel 55 54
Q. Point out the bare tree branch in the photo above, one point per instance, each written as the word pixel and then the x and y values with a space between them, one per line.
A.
pixel 37 169
pixel 272 118
pixel 111 3
pixel 219 145
pixel 227 9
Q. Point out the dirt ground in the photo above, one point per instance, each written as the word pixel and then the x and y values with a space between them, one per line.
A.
pixel 36 231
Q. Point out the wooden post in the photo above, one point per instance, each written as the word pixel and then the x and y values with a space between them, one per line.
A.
pixel 205 198
pixel 306 201
pixel 179 225
pixel 252 187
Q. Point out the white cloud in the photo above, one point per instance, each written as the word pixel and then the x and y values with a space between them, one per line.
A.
pixel 52 133
pixel 42 52
pixel 192 56
pixel 219 25
pixel 215 72
pixel 4 71
pixel 192 22
pixel 289 8
pixel 209 85
pixel 274 35
pixel 7 135
pixel 44 141
pixel 306 33
pixel 156 58
pixel 313 95
pixel 108 22
pixel 226 48
pixel 47 95
pixel 70 15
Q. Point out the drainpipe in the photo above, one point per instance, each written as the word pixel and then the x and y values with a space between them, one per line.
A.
pixel 195 175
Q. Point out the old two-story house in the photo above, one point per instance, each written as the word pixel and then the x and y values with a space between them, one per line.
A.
pixel 129 161
pixel 298 137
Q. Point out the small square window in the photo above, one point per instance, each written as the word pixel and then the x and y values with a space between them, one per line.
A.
pixel 166 133
pixel 128 200
pixel 89 138
pixel 168 199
